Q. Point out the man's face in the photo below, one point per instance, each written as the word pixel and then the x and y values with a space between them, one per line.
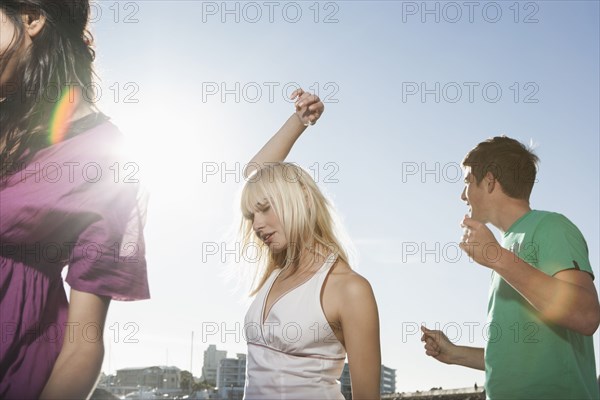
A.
pixel 474 195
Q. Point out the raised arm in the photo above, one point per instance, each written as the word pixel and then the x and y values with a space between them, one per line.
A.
pixel 360 325
pixel 82 350
pixel 308 110
pixel 568 298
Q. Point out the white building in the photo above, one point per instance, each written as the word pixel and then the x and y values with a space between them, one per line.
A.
pixel 212 357
pixel 231 377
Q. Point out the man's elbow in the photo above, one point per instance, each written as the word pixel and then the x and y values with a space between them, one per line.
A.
pixel 594 323
pixel 591 322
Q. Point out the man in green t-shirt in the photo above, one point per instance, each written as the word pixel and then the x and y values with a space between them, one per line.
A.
pixel 543 306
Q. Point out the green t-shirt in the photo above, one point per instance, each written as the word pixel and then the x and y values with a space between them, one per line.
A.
pixel 526 358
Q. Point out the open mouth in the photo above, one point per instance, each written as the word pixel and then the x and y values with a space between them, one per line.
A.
pixel 267 237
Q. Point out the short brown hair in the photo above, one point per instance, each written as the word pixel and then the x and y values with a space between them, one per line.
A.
pixel 509 161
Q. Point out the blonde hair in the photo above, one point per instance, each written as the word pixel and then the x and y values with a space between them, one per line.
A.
pixel 307 217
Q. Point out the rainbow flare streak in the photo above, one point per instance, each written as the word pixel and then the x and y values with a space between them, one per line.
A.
pixel 61 116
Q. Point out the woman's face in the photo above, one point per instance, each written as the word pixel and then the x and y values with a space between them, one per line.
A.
pixel 8 34
pixel 8 37
pixel 268 227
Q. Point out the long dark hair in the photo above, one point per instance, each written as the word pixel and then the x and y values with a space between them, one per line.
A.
pixel 60 57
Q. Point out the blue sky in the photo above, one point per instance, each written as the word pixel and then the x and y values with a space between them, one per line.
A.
pixel 199 93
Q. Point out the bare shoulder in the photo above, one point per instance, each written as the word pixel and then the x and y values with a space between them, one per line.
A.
pixel 348 300
pixel 347 283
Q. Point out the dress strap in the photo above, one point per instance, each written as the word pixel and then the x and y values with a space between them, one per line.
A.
pixel 329 261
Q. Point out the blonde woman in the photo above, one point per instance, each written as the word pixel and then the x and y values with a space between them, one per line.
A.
pixel 310 309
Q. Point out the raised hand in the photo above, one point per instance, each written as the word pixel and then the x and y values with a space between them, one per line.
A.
pixel 309 107
pixel 479 242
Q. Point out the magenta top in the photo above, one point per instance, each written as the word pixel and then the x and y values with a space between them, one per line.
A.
pixel 75 203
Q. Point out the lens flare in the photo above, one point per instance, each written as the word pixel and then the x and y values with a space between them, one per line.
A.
pixel 62 114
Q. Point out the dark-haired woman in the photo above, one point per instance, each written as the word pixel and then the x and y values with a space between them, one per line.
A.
pixel 61 203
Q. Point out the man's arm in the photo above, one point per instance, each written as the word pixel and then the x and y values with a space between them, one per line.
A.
pixel 438 346
pixel 568 298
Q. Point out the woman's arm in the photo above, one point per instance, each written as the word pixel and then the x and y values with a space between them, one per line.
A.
pixel 76 370
pixel 360 326
pixel 308 110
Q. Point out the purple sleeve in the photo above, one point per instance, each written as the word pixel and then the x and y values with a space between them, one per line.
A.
pixel 107 257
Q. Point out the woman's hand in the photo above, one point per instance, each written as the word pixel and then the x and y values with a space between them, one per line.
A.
pixel 309 107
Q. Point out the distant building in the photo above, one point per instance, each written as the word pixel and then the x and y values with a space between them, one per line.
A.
pixel 468 393
pixel 346 384
pixel 388 381
pixel 157 377
pixel 231 377
pixel 212 357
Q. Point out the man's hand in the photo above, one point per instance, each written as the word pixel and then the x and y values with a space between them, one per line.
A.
pixel 437 345
pixel 479 242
